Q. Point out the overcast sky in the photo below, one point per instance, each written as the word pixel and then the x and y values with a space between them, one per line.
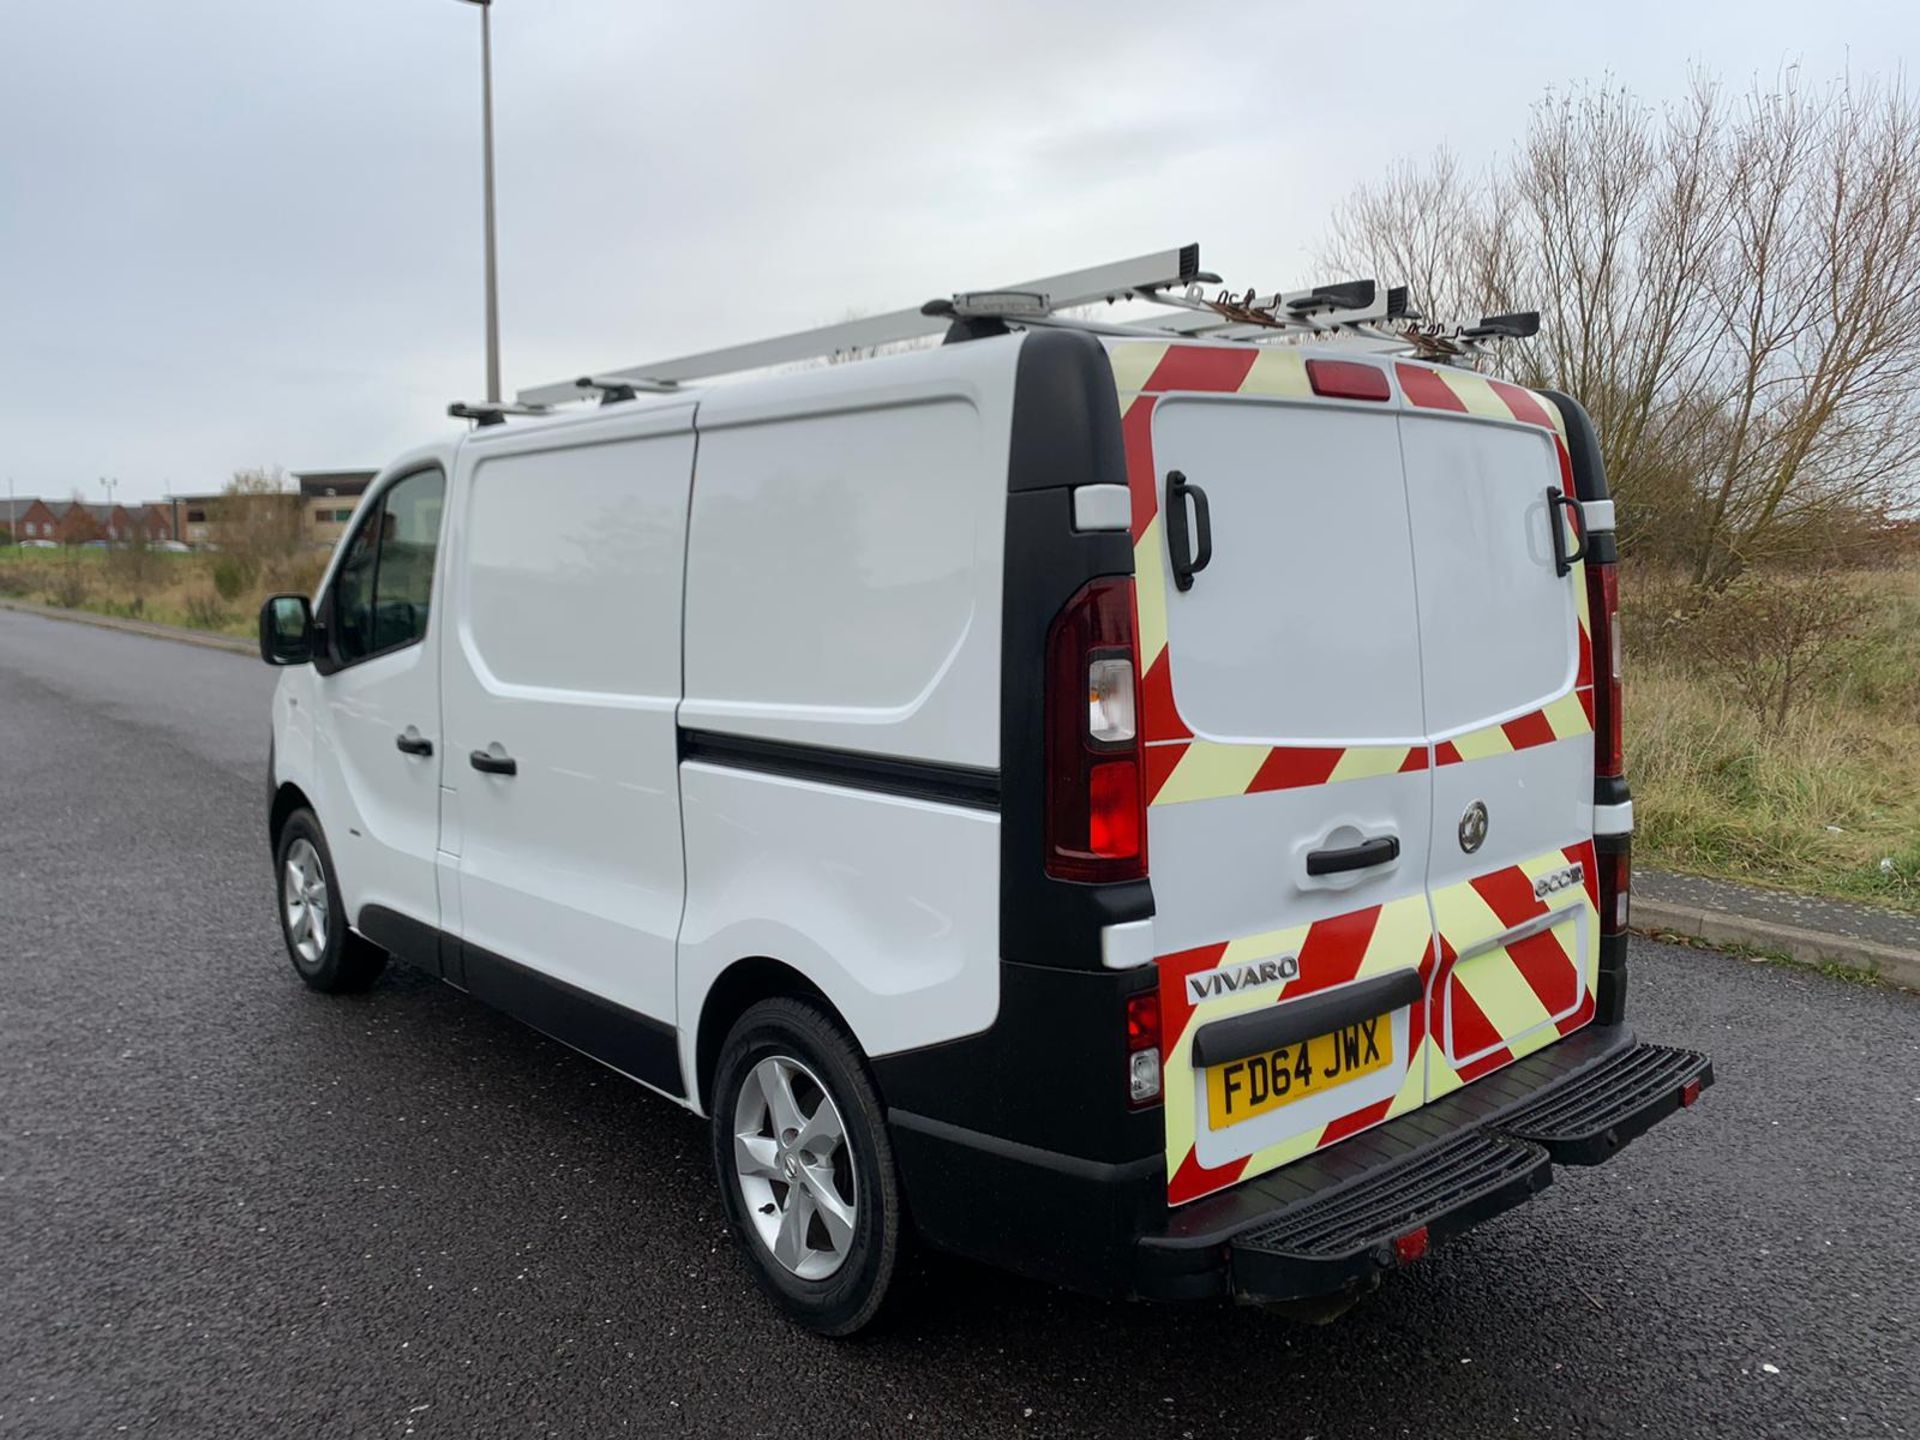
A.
pixel 245 232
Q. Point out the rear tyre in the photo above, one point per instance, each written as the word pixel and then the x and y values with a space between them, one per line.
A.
pixel 313 917
pixel 806 1167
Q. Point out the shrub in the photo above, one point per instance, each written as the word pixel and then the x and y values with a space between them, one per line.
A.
pixel 69 587
pixel 205 612
pixel 1778 640
pixel 231 576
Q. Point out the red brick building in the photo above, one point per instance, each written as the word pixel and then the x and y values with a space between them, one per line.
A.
pixel 75 522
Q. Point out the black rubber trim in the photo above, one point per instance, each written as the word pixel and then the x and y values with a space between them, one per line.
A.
pixel 1583 447
pixel 632 1043
pixel 1610 993
pixel 852 770
pixel 1274 1026
pixel 401 936
pixel 1099 1171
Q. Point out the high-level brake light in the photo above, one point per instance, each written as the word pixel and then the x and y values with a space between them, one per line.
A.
pixel 1347 380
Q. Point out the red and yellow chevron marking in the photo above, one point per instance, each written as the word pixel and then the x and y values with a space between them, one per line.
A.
pixel 1354 946
pixel 1181 768
pixel 1495 1007
pixel 1501 1004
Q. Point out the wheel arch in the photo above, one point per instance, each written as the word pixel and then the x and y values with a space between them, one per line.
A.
pixel 287 798
pixel 743 984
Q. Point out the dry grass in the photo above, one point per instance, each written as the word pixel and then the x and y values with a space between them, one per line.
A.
pixel 1828 803
pixel 175 590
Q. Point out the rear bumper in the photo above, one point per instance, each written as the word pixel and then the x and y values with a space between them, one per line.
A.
pixel 1327 1223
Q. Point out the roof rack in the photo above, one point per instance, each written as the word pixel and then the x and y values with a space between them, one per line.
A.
pixel 1139 277
pixel 1360 311
pixel 493 412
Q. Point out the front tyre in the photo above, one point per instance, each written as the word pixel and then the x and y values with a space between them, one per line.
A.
pixel 805 1165
pixel 313 918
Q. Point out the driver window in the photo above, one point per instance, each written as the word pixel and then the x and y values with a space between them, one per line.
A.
pixel 353 592
pixel 383 590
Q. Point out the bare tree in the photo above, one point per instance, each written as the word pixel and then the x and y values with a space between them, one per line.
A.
pixel 1729 287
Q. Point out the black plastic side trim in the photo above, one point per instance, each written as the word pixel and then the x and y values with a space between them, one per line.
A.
pixel 1583 448
pixel 886 775
pixel 1066 433
pixel 632 1043
pixel 1274 1026
pixel 401 936
pixel 1100 1171
pixel 1049 1073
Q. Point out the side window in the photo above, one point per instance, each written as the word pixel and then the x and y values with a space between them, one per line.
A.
pixel 409 540
pixel 353 593
pixel 383 590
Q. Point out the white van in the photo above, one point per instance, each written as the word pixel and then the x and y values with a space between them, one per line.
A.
pixel 1132 804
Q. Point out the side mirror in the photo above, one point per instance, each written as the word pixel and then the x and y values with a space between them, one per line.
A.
pixel 286 630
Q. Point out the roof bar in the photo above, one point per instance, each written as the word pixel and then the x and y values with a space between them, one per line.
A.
pixel 1120 280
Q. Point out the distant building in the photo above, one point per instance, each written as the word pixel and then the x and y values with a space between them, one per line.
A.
pixel 78 522
pixel 13 516
pixel 328 499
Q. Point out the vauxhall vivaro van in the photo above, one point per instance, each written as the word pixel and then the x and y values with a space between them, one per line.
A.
pixel 1141 805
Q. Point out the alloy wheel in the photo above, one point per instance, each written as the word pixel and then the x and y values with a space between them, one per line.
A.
pixel 795 1167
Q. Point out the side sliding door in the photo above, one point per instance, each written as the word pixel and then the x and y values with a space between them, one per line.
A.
pixel 562 674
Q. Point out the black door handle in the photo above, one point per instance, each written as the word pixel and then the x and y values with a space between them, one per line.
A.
pixel 1187 562
pixel 1377 851
pixel 488 764
pixel 413 744
pixel 1562 561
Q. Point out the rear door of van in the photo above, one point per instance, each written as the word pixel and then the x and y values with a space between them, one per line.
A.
pixel 1368 742
pixel 1290 804
pixel 1508 683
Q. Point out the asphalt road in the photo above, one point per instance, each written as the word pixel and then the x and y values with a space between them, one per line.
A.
pixel 229 1206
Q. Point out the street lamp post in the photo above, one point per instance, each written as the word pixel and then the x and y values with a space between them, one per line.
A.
pixel 486 141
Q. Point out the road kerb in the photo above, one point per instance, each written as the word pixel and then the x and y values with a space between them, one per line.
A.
pixel 151 629
pixel 1812 947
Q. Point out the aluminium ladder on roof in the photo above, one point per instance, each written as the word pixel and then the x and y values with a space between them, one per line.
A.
pixel 1378 318
pixel 1137 278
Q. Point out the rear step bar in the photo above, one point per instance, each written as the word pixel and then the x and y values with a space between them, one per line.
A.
pixel 1388 1218
pixel 1333 1221
pixel 1623 1096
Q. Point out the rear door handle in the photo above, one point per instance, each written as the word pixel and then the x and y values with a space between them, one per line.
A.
pixel 1187 561
pixel 1368 853
pixel 412 742
pixel 489 764
pixel 1562 561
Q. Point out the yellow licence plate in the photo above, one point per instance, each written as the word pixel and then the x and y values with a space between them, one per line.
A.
pixel 1259 1084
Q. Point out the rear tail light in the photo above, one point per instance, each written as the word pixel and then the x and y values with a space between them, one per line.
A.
pixel 1143 1048
pixel 1347 380
pixel 1603 619
pixel 1096 770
